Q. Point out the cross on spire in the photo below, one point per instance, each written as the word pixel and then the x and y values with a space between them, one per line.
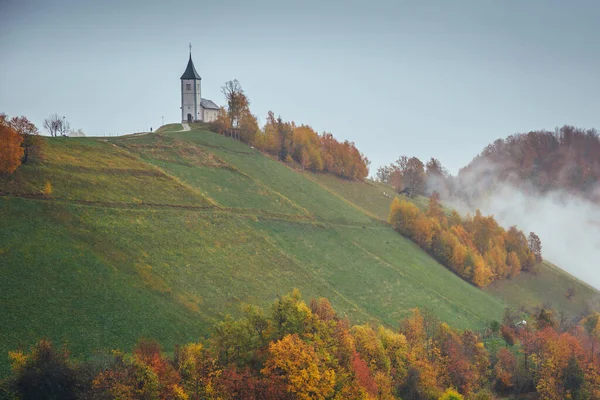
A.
pixel 190 49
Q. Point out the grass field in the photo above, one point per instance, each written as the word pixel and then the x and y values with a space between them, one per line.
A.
pixel 161 235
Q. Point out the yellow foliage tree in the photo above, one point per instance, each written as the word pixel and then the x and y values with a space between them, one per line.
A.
pixel 300 367
pixel 451 394
pixel 403 215
pixel 512 259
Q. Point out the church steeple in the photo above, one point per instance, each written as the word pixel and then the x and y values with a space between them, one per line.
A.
pixel 190 71
pixel 191 98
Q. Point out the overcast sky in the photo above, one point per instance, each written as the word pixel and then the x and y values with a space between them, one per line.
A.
pixel 426 78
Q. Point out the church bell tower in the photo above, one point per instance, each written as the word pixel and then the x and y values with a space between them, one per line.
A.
pixel 191 108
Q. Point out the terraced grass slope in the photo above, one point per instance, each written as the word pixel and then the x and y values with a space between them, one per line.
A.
pixel 161 235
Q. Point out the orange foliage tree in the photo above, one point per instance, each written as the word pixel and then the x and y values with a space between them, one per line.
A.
pixel 33 143
pixel 11 150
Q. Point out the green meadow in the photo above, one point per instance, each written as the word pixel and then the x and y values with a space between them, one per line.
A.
pixel 162 235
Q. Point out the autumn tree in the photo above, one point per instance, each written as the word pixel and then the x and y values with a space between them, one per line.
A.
pixel 237 102
pixel 363 375
pixel 222 123
pixel 11 150
pixel 149 353
pixel 267 138
pixel 403 215
pixel 298 365
pixel 545 317
pixel 127 378
pixel 306 148
pixel 236 341
pixel 504 370
pixel 32 141
pixel 434 209
pixel 248 126
pixel 290 314
pixel 198 370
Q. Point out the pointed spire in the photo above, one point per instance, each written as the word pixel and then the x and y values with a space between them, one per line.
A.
pixel 190 71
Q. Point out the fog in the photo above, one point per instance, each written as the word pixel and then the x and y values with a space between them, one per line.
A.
pixel 569 226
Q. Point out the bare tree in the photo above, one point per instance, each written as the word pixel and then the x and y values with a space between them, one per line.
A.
pixel 65 127
pixel 53 124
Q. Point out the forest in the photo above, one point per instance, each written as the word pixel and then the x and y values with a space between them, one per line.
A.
pixel 308 351
pixel 567 159
pixel 476 247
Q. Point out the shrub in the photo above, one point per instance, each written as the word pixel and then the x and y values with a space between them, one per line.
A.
pixel 47 191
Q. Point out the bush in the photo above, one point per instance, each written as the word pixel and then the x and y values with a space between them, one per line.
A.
pixel 47 191
pixel 451 394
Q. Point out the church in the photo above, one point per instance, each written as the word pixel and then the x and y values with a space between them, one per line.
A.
pixel 193 107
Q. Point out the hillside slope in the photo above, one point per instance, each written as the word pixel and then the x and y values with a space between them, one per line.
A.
pixel 161 235
pixel 549 284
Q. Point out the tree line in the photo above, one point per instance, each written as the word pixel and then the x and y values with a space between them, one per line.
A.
pixel 476 247
pixel 292 143
pixel 308 351
pixel 566 159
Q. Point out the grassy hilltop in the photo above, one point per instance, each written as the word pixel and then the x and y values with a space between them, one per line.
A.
pixel 161 235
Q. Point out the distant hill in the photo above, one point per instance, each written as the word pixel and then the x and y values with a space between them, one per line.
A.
pixel 161 235
pixel 566 160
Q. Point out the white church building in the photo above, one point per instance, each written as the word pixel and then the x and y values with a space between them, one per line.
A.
pixel 193 107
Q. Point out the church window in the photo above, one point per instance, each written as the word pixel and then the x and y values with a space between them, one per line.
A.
pixel 188 86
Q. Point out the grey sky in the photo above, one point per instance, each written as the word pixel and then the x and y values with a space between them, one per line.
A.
pixel 425 78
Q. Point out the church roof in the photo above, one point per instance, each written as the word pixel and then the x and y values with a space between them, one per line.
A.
pixel 190 71
pixel 208 104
